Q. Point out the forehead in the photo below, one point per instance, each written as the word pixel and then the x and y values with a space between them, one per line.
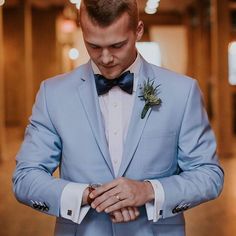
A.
pixel 118 31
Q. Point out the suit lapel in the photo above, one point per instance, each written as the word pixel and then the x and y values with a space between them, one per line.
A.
pixel 137 124
pixel 88 96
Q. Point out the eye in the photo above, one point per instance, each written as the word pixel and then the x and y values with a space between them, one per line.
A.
pixel 119 45
pixel 93 46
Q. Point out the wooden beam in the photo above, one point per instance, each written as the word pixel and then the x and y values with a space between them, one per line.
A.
pixel 29 84
pixel 222 99
pixel 197 23
pixel 2 109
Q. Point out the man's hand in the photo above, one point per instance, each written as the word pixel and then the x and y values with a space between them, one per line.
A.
pixel 121 193
pixel 124 215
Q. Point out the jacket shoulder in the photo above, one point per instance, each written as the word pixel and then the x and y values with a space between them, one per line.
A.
pixel 69 79
pixel 169 77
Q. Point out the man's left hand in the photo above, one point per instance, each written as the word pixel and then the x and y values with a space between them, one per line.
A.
pixel 121 193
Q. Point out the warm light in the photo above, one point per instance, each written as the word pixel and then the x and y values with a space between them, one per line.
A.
pixel 68 26
pixel 73 54
pixel 232 63
pixel 2 2
pixel 232 48
pixel 150 51
pixel 150 10
pixel 78 5
pixel 151 6
pixel 74 1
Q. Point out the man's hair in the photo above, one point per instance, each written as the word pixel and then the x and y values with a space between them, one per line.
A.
pixel 106 12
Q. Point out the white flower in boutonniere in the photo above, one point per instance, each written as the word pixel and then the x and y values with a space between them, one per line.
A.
pixel 149 95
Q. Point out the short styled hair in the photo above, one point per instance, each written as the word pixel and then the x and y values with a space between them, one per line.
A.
pixel 106 12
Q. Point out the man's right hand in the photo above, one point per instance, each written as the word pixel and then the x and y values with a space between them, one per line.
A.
pixel 123 215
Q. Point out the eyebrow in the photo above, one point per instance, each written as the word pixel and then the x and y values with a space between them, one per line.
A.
pixel 115 44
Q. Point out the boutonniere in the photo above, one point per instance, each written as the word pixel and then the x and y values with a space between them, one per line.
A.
pixel 149 95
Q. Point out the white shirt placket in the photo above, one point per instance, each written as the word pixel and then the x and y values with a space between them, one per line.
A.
pixel 115 136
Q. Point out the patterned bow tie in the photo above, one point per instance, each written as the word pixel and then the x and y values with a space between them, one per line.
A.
pixel 125 82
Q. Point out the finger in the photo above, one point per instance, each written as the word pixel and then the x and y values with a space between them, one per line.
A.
pixel 106 187
pixel 125 214
pixel 102 189
pixel 131 211
pixel 105 197
pixel 116 217
pixel 117 206
pixel 136 212
pixel 105 204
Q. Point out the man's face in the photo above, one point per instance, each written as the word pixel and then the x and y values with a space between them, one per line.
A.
pixel 111 48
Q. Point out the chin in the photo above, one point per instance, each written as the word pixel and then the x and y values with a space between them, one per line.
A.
pixel 111 74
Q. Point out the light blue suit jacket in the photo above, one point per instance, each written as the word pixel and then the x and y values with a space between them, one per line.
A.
pixel 173 143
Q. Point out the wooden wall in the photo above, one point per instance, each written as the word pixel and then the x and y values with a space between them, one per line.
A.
pixel 13 19
pixel 23 53
pixel 2 91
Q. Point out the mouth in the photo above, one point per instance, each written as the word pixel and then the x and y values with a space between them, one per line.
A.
pixel 108 66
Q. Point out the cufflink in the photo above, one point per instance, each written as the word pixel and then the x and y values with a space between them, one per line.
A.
pixel 69 212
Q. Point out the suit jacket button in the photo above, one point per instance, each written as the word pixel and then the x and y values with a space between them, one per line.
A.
pixel 186 207
pixel 174 210
pixel 178 210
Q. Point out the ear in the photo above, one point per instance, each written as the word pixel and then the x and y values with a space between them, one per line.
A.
pixel 140 30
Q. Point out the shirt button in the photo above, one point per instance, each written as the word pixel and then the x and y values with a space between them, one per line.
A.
pixel 115 161
pixel 115 104
pixel 115 132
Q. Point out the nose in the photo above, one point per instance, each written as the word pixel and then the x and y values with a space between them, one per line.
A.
pixel 106 57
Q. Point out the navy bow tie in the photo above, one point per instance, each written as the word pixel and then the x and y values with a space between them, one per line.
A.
pixel 125 82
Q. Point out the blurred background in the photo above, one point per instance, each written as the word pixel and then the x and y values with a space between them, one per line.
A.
pixel 42 38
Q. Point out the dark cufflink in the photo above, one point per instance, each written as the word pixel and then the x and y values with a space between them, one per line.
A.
pixel 69 212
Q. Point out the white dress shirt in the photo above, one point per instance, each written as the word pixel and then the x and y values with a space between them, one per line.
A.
pixel 116 107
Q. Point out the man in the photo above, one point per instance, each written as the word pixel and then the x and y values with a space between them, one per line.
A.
pixel 140 133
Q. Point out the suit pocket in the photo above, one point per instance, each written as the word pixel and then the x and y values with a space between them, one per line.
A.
pixel 158 153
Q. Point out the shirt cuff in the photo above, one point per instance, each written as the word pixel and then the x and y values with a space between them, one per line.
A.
pixel 71 200
pixel 154 208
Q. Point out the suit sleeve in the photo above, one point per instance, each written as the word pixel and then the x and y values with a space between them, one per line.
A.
pixel 200 178
pixel 38 158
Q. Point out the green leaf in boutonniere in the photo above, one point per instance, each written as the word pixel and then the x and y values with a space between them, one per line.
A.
pixel 149 95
